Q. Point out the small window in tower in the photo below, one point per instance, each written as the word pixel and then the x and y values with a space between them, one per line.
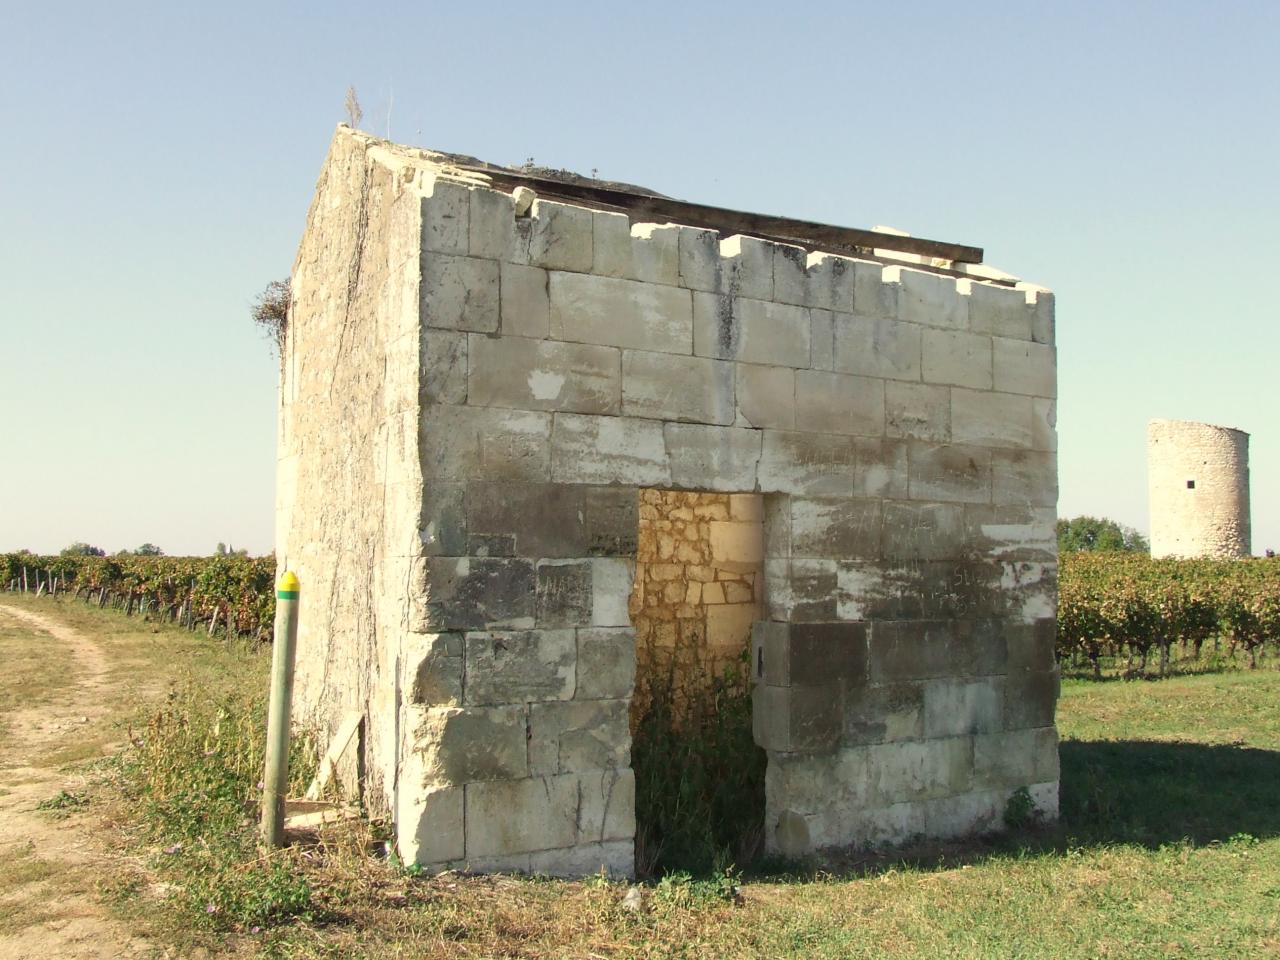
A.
pixel 1191 484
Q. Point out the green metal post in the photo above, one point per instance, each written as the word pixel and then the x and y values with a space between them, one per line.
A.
pixel 275 781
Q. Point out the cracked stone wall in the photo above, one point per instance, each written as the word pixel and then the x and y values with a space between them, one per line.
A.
pixel 1198 482
pixel 475 392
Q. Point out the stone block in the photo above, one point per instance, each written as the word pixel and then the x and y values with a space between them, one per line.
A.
pixel 1030 698
pixel 812 654
pixel 621 313
pixel 556 521
pixel 923 531
pixel 616 858
pixel 606 805
pixel 564 593
pixel 746 507
pixel 606 663
pixel 1030 646
pixel 465 593
pixel 662 386
pixel 433 663
pixel 932 300
pixel 443 377
pixel 877 347
pixel 821 280
pixel 778 598
pixel 822 339
pixel 560 236
pixel 1000 311
pixel 525 307
pixel 521 816
pixel 883 713
pixel 735 541
pixel 1042 318
pixel 452 745
pixel 839 529
pixel 429 824
pixel 586 449
pixel 934 649
pixel 917 411
pixel 578 736
pixel 495 232
pixel 611 580
pixel 729 627
pixel 920 769
pixel 1024 478
pixel 442 520
pixel 1028 591
pixel 1011 533
pixel 737 265
pixel 712 457
pixel 1016 758
pixel 646 251
pixel 445 220
pixel 881 468
pixel 543 375
pixel 767 395
pixel 1044 423
pixel 837 403
pixel 991 419
pixel 751 331
pixel 474 443
pixel 956 357
pixel 876 289
pixel 812 589
pixel 796 719
pixel 815 464
pixel 459 293
pixel 955 707
pixel 1020 366
pixel 520 666
pixel 951 473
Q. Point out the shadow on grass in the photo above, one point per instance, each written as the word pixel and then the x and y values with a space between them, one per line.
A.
pixel 1139 792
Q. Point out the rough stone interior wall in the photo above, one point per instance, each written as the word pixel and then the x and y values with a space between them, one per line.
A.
pixel 1211 518
pixel 897 421
pixel 698 590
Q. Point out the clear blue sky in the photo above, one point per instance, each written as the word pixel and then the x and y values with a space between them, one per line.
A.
pixel 159 159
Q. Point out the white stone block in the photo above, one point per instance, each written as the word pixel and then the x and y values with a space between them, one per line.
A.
pixel 1044 424
pixel 471 443
pixel 1024 367
pixel 560 236
pixel 494 232
pixel 991 419
pixel 664 386
pixel 544 375
pixel 1000 311
pixel 429 823
pixel 877 347
pixel 931 299
pixel 767 395
pixel 875 295
pixel 621 313
pixel 607 806
pixel 955 707
pixel 837 403
pixel 460 293
pixel 917 411
pixel 445 219
pixel 950 473
pixel 615 857
pixel 526 304
pixel 957 358
pixel 646 251
pixel 712 457
pixel 753 331
pixel 520 816
pixel 821 280
pixel 822 339
pixel 1024 478
pixel 735 266
pixel 881 468
pixel 611 581
pixel 586 449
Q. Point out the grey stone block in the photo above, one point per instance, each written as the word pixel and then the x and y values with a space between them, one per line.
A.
pixel 838 403
pixel 445 220
pixel 460 293
pixel 934 649
pixel 621 313
pixel 822 340
pixel 991 419
pixel 606 805
pixel 767 395
pixel 838 529
pixel 1016 758
pixel 923 531
pixel 470 592
pixel 1012 533
pixel 915 770
pixel 526 302
pixel 560 236
pixel 1001 311
pixel 931 299
pixel 442 521
pixel 543 375
pixel 434 663
pixel 877 347
pixel 611 584
pixel 812 654
pixel 429 825
pixel 470 744
pixel 484 443
pixel 606 663
pixel 883 713
pixel 1024 478
pixel 882 468
pixel 625 450
pixel 751 331
pixel 816 464
pixel 737 265
pixel 495 233
pixel 1024 367
pixel 1044 423
pixel 521 816
pixel 443 377
pixel 956 357
pixel 520 666
pixel 564 593
pixel 950 473
pixel 954 707
pixel 578 736
pixel 615 857
pixel 647 252
pixel 1030 698
pixel 662 386
pixel 556 521
pixel 1042 318
pixel 812 590
pixel 1031 646
pixel 712 457
pixel 796 719
pixel 917 411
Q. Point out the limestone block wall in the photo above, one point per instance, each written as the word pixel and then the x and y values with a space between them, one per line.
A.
pixel 1198 485
pixel 896 421
pixel 698 590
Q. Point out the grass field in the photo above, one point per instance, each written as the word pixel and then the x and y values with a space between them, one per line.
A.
pixel 1169 846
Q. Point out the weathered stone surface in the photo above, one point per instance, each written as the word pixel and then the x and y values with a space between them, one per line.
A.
pixel 464 593
pixel 466 745
pixel 578 736
pixel 1001 311
pixel 646 251
pixel 543 375
pixel 991 419
pixel 434 661
pixel 923 531
pixel 564 593
pixel 556 520
pixel 561 236
pixel 929 650
pixel 1016 758
pixel 839 529
pixel 431 824
pixel 742 266
pixel 932 300
pixel 442 521
pixel 611 579
pixel 1011 533
pixel 753 331
pixel 606 805
pixel 525 302
pixel 606 663
pixel 812 654
pixel 713 458
pixel 836 403
pixel 520 666
pixel 444 367
pixel 1030 646
pixel 796 719
pixel 1042 318
pixel 1024 367
pixel 521 816
pixel 1024 478
pixel 615 857
pixel 951 473
pixel 883 713
pixel 494 230
pixel 467 443
pixel 666 387
pixel 445 220
pixel 815 464
pixel 1030 697
pixel 881 468
pixel 877 347
pixel 956 357
pixel 917 411
pixel 816 279
pixel 1044 423
pixel 621 313
pixel 627 450
pixel 460 293
pixel 954 707
pixel 767 395
pixel 822 339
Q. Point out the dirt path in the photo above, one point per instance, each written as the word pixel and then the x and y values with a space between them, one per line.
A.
pixel 70 925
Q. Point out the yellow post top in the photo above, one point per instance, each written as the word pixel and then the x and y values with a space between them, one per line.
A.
pixel 287 588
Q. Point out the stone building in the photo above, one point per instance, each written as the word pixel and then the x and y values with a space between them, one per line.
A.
pixel 1198 487
pixel 523 418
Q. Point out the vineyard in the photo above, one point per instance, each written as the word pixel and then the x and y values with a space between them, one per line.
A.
pixel 233 593
pixel 1109 604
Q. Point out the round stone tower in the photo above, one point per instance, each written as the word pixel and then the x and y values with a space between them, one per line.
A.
pixel 1198 479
